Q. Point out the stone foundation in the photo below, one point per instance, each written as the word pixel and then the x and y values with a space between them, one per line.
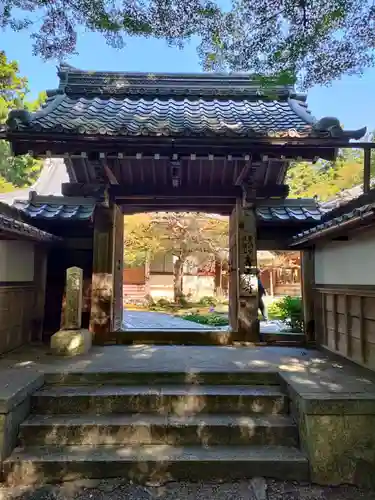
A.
pixel 71 342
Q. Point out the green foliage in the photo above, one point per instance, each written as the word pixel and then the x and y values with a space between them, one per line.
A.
pixel 289 310
pixel 326 179
pixel 13 87
pixel 208 301
pixel 210 319
pixel 17 171
pixel 163 303
pixel 317 41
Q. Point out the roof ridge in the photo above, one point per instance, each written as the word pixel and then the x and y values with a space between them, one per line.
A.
pixel 76 81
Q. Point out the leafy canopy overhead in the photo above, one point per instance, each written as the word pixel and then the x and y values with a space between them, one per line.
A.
pixel 314 40
pixel 17 171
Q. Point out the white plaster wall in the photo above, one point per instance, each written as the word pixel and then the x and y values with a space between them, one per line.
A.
pixel 16 261
pixel 347 262
pixel 199 286
pixel 161 286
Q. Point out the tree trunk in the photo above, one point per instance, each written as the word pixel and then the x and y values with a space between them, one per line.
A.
pixel 178 273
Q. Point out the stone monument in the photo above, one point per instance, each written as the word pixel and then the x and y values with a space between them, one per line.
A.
pixel 71 339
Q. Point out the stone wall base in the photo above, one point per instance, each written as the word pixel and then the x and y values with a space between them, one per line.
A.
pixel 71 342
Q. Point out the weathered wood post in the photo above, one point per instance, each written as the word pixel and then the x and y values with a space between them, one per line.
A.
pixel 71 339
pixel 107 275
pixel 307 288
pixel 243 293
pixel 248 323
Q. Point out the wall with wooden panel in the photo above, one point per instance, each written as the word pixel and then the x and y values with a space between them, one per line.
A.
pixel 17 293
pixel 346 322
pixel 347 262
pixel 345 296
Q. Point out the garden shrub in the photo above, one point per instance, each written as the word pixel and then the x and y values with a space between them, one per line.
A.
pixel 163 304
pixel 291 312
pixel 207 319
pixel 208 301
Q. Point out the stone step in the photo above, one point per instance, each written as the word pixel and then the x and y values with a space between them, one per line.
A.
pixel 175 337
pixel 153 463
pixel 146 429
pixel 257 376
pixel 178 400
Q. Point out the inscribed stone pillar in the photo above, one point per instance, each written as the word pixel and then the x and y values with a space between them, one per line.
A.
pixel 71 339
pixel 248 323
pixel 73 294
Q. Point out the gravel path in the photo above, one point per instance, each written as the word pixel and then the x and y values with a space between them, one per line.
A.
pixel 245 490
pixel 149 320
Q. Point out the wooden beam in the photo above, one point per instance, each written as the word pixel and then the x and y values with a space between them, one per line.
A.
pixel 111 176
pixel 242 176
pixel 307 285
pixel 150 191
pixel 262 192
pixel 79 189
pixel 58 144
pixel 366 170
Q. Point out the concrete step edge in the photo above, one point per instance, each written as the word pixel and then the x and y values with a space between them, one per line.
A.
pixel 262 378
pixel 209 420
pixel 155 453
pixel 178 390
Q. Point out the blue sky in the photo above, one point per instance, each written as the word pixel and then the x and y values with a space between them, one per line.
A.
pixel 351 99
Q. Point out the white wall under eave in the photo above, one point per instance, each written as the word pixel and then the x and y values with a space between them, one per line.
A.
pixel 349 262
pixel 16 261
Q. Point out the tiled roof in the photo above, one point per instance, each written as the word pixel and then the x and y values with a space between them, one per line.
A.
pixel 140 104
pixel 14 226
pixel 356 215
pixel 303 210
pixel 57 208
pixel 157 117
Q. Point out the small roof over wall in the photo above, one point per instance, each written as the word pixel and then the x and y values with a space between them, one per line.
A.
pixel 13 226
pixel 355 214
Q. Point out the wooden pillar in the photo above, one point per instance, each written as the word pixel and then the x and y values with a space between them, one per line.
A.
pixel 147 267
pixel 233 294
pixel 307 285
pixel 248 323
pixel 40 283
pixel 117 269
pixel 102 286
pixel 366 170
pixel 272 282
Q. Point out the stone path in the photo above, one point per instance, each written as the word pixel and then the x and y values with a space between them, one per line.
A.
pixel 117 489
pixel 149 320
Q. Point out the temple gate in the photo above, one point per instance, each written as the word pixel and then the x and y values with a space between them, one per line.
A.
pixel 205 143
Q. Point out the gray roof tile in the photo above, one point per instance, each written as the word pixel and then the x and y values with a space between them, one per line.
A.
pixel 290 210
pixel 195 117
pixel 335 222
pixel 56 211
pixel 205 104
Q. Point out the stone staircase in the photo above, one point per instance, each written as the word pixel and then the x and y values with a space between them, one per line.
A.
pixel 185 426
